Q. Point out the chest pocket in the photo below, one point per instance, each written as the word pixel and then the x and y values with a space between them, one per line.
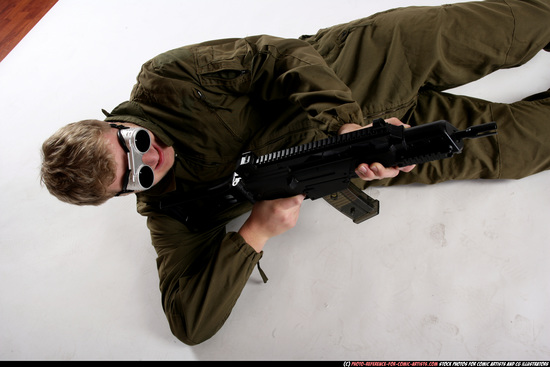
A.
pixel 231 117
pixel 225 67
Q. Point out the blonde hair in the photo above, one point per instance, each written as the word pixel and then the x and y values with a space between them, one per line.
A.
pixel 77 165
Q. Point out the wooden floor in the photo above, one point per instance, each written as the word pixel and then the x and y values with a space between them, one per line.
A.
pixel 17 18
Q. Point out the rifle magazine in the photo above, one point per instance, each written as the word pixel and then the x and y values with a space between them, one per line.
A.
pixel 354 204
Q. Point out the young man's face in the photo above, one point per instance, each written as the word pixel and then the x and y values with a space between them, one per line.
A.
pixel 159 157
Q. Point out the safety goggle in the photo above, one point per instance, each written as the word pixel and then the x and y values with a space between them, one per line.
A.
pixel 136 142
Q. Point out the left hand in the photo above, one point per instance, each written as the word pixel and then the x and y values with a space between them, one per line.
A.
pixel 376 171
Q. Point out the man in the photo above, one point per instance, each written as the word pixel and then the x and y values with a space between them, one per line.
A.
pixel 203 105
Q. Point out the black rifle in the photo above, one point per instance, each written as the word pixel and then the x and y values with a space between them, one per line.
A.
pixel 324 168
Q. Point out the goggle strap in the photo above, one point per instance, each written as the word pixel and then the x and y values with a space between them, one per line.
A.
pixel 120 137
pixel 120 127
pixel 123 192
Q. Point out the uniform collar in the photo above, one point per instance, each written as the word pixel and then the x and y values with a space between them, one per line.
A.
pixel 131 112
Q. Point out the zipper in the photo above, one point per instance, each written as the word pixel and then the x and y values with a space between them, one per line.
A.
pixel 209 105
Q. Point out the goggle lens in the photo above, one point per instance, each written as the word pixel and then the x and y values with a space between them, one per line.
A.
pixel 142 141
pixel 146 176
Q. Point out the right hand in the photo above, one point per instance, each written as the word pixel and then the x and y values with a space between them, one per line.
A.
pixel 270 218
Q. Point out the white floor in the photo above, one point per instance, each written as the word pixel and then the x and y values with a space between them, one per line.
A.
pixel 455 271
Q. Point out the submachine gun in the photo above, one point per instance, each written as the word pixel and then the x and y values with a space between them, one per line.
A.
pixel 324 168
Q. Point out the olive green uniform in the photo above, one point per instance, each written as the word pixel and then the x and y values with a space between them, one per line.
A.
pixel 216 100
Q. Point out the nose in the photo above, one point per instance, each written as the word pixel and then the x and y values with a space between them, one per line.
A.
pixel 151 157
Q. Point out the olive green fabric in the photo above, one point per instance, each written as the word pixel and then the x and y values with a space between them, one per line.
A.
pixel 212 102
pixel 216 100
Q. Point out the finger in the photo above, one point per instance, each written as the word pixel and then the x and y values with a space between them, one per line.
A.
pixel 375 171
pixel 395 121
pixel 384 172
pixel 407 168
pixel 364 172
pixel 296 200
pixel 290 202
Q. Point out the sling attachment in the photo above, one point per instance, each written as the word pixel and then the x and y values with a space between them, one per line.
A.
pixel 354 203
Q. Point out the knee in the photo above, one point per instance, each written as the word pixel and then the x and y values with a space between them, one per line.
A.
pixel 186 334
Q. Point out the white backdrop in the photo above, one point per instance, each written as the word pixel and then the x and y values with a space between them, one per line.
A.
pixel 454 271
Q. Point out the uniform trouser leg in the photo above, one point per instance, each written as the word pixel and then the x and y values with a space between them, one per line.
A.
pixel 521 147
pixel 386 59
pixel 397 63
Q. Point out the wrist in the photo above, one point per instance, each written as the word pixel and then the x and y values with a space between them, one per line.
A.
pixel 253 237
